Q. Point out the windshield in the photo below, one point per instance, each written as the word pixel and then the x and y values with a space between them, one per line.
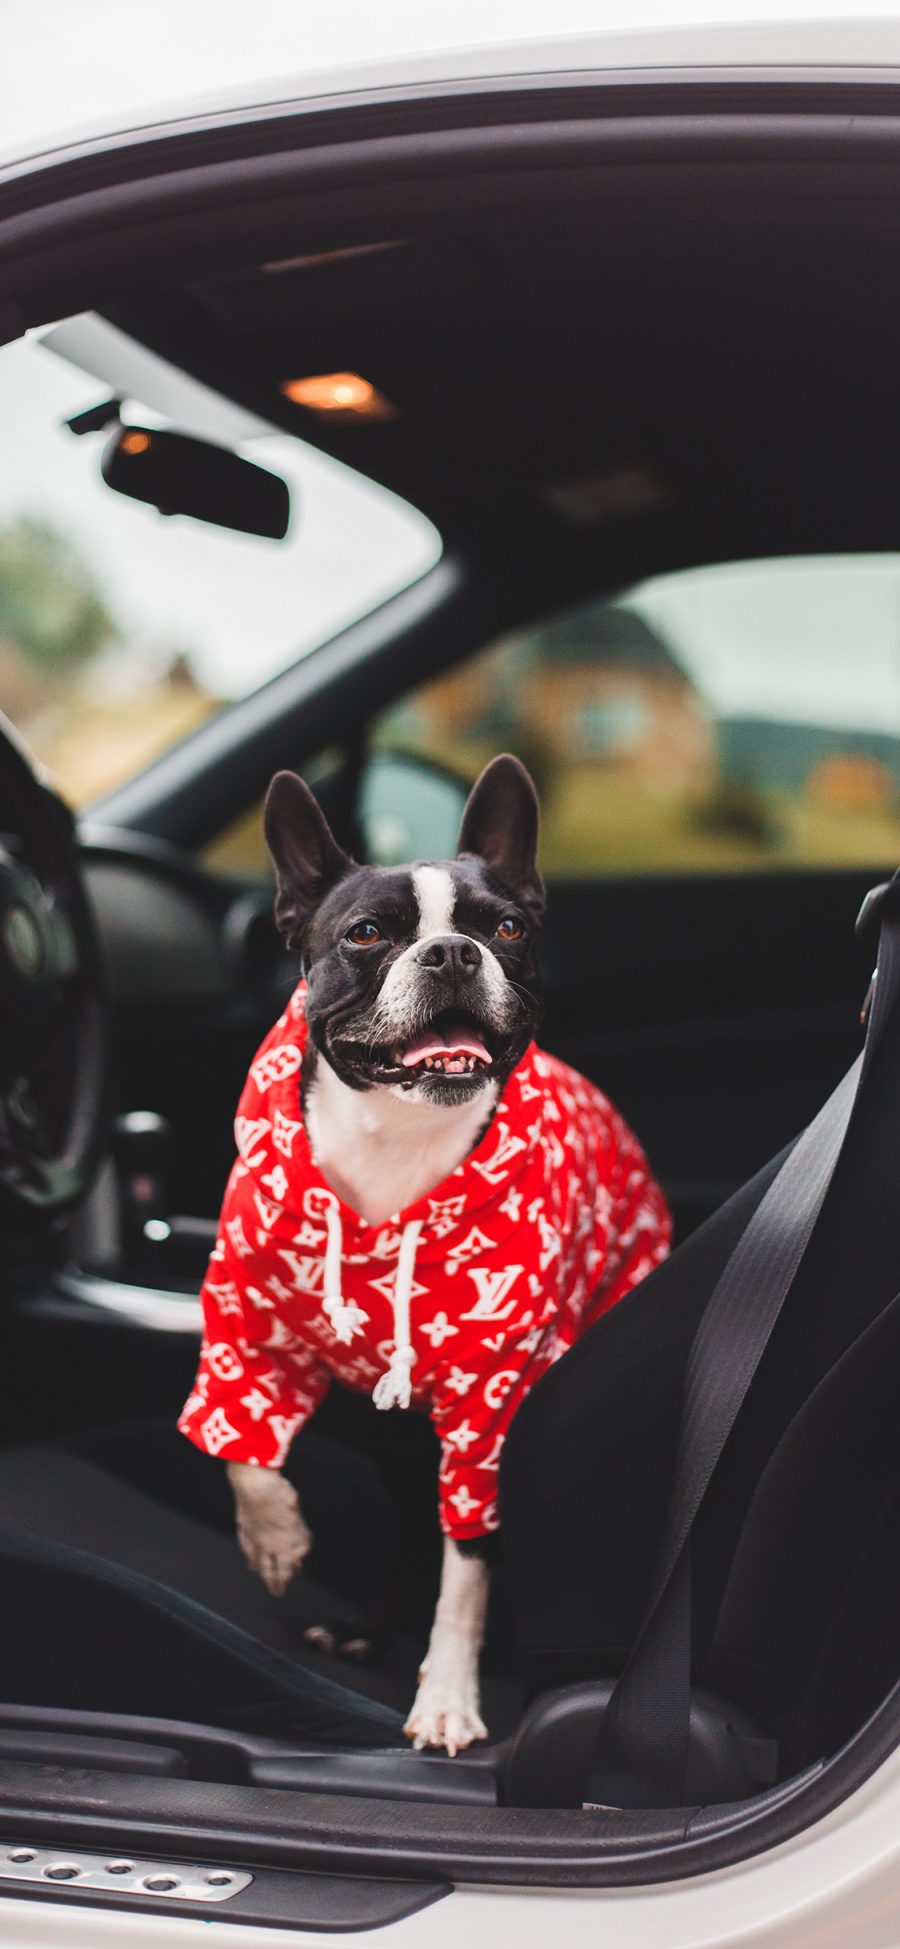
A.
pixel 121 631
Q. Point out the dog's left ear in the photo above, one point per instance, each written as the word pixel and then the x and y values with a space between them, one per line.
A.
pixel 500 825
pixel 308 860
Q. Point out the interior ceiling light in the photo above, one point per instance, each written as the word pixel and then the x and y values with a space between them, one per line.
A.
pixel 342 395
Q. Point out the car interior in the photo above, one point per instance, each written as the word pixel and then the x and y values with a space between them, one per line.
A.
pixel 641 396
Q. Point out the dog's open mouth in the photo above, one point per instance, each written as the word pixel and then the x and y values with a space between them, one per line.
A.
pixel 454 1045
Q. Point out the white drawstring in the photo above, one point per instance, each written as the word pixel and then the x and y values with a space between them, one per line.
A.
pixel 393 1389
pixel 344 1319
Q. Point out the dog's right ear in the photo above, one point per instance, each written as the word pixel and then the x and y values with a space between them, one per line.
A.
pixel 308 860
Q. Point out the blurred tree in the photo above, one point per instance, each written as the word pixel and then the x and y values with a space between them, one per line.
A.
pixel 51 607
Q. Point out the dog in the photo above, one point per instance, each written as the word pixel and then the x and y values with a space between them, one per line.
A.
pixel 424 1202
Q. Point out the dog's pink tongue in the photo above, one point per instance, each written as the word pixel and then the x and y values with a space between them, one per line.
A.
pixel 456 1041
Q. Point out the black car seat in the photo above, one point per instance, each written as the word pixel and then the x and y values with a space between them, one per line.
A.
pixel 115 1603
pixel 795 1616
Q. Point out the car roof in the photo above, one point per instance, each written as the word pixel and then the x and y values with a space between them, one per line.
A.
pixel 632 362
pixel 639 36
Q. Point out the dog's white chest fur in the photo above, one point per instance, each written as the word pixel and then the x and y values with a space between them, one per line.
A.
pixel 381 1150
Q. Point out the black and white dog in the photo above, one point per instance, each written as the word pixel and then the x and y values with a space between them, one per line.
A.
pixel 422 1197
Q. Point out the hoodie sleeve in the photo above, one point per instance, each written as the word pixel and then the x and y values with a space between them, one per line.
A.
pixel 640 1227
pixel 256 1383
pixel 472 1413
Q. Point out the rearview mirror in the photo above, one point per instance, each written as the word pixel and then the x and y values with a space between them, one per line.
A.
pixel 180 475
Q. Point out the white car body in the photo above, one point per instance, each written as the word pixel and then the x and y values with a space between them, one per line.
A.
pixel 837 1882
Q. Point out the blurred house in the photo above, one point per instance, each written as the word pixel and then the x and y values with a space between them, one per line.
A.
pixel 597 687
pixel 605 687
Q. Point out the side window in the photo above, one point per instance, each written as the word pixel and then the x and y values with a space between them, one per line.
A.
pixel 745 716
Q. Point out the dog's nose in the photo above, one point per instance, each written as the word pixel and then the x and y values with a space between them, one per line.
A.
pixel 450 954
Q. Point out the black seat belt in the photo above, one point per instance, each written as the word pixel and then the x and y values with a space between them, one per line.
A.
pixel 641 1755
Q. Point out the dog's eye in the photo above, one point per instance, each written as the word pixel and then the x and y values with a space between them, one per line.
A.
pixel 510 929
pixel 364 933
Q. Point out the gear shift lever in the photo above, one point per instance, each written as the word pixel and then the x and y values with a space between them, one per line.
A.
pixel 142 1144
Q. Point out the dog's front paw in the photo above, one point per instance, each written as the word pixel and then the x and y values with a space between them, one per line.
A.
pixel 446 1713
pixel 271 1529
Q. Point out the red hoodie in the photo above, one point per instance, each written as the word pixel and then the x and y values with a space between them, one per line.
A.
pixel 457 1304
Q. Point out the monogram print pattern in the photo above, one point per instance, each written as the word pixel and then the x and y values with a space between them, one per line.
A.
pixel 551 1219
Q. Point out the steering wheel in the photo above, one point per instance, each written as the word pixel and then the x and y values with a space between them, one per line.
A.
pixel 54 1018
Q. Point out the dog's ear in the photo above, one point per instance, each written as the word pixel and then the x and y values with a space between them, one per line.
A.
pixel 308 860
pixel 500 826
